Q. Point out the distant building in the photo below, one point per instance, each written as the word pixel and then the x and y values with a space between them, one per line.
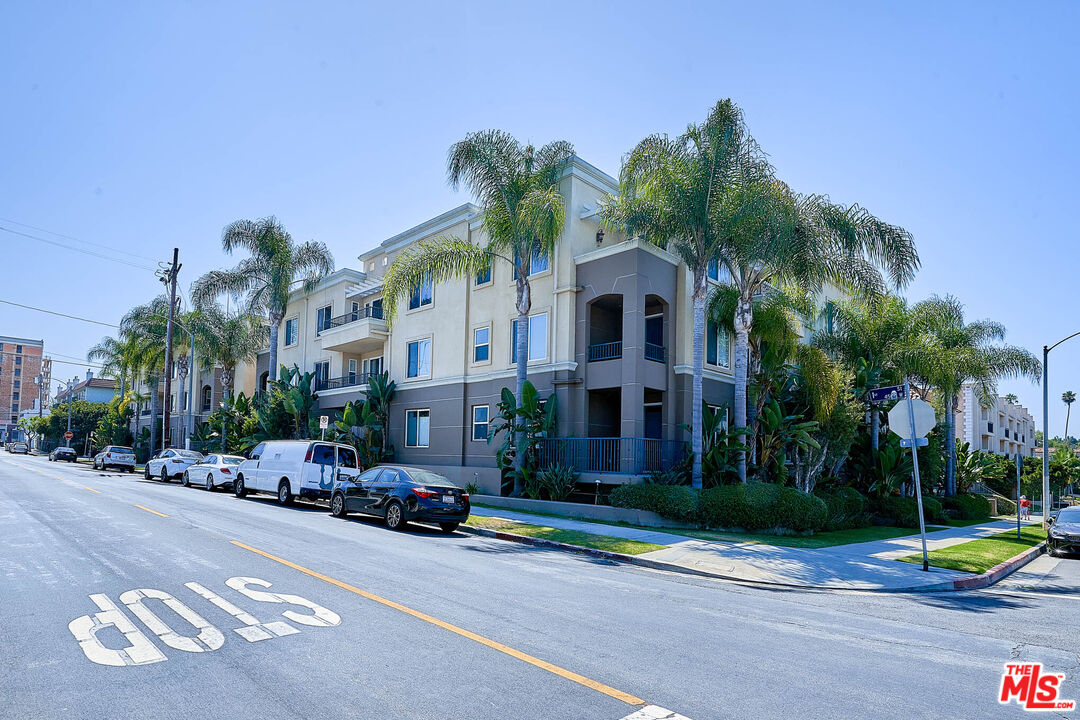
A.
pixel 91 389
pixel 20 364
pixel 1004 428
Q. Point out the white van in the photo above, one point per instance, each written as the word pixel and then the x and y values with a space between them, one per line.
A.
pixel 294 469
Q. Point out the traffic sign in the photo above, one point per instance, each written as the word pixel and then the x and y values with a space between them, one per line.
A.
pixel 900 418
pixel 324 422
pixel 887 392
pixel 68 435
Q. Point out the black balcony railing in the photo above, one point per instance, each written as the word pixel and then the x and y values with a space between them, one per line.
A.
pixel 605 351
pixel 655 352
pixel 370 311
pixel 350 380
pixel 613 455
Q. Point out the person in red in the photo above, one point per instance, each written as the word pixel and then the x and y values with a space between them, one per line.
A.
pixel 1025 508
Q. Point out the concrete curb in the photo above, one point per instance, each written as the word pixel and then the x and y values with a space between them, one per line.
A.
pixel 971 583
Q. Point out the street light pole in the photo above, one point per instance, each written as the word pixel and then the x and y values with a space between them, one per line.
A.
pixel 1046 431
pixel 70 387
pixel 169 279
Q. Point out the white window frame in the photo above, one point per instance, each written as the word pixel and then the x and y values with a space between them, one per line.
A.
pixel 296 341
pixel 472 357
pixel 486 423
pixel 416 412
pixel 422 306
pixel 366 364
pixel 529 349
pixel 431 358
pixel 327 313
pixel 533 273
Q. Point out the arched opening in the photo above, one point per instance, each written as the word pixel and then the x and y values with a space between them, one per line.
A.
pixel 655 317
pixel 605 328
pixel 207 398
pixel 263 380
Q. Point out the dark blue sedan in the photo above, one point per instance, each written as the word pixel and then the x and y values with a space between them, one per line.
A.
pixel 400 495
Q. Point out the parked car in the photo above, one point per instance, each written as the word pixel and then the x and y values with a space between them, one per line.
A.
pixel 294 469
pixel 400 495
pixel 63 453
pixel 169 464
pixel 1064 535
pixel 116 456
pixel 20 447
pixel 213 471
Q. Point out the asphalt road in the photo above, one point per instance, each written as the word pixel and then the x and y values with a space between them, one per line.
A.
pixel 424 625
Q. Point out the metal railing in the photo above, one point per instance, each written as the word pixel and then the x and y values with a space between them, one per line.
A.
pixel 612 455
pixel 657 353
pixel 368 311
pixel 605 351
pixel 350 380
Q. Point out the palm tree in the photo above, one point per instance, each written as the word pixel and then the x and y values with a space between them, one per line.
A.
pixel 1068 397
pixel 1013 400
pixel 267 276
pixel 673 191
pixel 145 327
pixel 865 339
pixel 227 341
pixel 946 352
pixel 118 358
pixel 524 214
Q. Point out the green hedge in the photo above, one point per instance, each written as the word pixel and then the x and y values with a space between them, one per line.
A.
pixel 847 508
pixel 932 510
pixel 968 507
pixel 761 506
pixel 1006 507
pixel 902 511
pixel 676 502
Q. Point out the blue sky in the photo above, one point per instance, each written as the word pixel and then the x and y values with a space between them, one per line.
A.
pixel 144 126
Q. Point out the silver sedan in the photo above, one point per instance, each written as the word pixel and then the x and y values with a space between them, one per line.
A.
pixel 213 471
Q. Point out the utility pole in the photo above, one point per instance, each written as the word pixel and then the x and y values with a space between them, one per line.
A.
pixel 169 278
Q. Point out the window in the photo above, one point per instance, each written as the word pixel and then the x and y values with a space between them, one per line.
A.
pixel 14 396
pixel 322 374
pixel 16 383
pixel 352 370
pixel 421 296
pixel 15 408
pixel 538 263
pixel 373 366
pixel 716 346
pixel 537 340
pixel 18 359
pixel 18 348
pixel 18 372
pixel 322 318
pixel 292 331
pixel 419 359
pixel 207 398
pixel 346 457
pixel 480 422
pixel 369 475
pixel 481 344
pixel 417 425
pixel 322 455
pixel 483 277
pixel 717 272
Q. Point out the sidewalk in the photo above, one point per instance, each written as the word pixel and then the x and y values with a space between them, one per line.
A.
pixel 857 566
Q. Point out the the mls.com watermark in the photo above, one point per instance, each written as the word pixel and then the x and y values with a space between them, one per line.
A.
pixel 1032 689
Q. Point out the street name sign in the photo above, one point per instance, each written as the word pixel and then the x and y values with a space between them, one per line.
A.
pixel 887 392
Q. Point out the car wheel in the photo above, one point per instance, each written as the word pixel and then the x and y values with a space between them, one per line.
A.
pixel 449 527
pixel 209 482
pixel 146 471
pixel 164 474
pixel 395 516
pixel 284 493
pixel 238 487
pixel 186 480
pixel 337 506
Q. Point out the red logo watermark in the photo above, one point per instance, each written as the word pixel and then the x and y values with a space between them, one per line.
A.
pixel 1032 689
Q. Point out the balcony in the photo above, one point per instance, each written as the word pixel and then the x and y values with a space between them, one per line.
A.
pixel 611 455
pixel 345 381
pixel 355 332
pixel 605 351
pixel 654 352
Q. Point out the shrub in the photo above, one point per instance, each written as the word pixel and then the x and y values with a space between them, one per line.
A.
pixel 847 508
pixel 559 481
pixel 1006 506
pixel 968 507
pixel 672 476
pixel 932 510
pixel 902 511
pixel 761 506
pixel 676 502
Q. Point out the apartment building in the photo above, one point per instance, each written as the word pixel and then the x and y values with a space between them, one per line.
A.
pixel 1004 428
pixel 21 363
pixel 609 335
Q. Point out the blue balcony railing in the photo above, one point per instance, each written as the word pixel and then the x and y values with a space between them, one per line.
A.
pixel 605 351
pixel 614 455
pixel 655 352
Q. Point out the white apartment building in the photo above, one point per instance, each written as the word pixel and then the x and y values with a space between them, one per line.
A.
pixel 1004 428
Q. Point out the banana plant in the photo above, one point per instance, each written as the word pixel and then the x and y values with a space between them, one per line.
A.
pixel 781 433
pixel 522 425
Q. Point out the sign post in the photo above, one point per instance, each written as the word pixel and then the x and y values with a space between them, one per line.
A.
pixel 912 421
pixel 1019 464
pixel 324 422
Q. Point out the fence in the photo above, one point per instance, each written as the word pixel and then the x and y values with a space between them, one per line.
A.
pixel 613 455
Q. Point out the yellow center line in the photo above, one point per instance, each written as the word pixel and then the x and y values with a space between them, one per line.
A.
pixel 525 657
pixel 85 487
pixel 151 511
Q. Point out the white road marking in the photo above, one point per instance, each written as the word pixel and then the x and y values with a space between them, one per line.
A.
pixel 253 630
pixel 321 618
pixel 654 712
pixel 140 651
pixel 209 637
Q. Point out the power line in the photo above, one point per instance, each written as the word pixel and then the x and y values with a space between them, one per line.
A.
pixel 78 240
pixel 68 362
pixel 60 314
pixel 77 249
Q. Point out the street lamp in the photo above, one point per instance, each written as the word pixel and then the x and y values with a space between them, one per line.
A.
pixel 70 388
pixel 1046 433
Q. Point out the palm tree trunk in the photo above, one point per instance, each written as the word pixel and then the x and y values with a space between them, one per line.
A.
pixel 153 416
pixel 744 317
pixel 950 445
pixel 275 326
pixel 524 304
pixel 697 393
pixel 225 418
pixel 1068 411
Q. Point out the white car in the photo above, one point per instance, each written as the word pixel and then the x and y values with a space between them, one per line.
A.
pixel 294 468
pixel 213 471
pixel 169 464
pixel 117 456
pixel 20 447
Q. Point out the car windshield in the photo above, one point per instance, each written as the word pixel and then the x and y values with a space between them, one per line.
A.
pixel 424 477
pixel 119 449
pixel 189 454
pixel 1069 515
pixel 231 460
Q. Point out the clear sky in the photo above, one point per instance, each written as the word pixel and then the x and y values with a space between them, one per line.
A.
pixel 144 126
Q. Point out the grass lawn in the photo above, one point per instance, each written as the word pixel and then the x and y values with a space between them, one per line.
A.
pixel 571 537
pixel 978 556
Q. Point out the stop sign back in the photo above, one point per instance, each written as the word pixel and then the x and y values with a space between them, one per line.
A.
pixel 900 422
